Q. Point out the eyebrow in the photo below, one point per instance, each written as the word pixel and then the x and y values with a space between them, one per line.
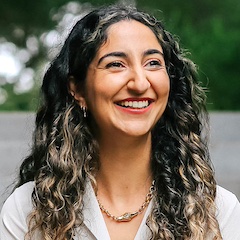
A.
pixel 112 54
pixel 152 51
pixel 124 55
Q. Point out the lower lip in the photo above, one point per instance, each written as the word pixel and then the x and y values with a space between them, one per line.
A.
pixel 134 110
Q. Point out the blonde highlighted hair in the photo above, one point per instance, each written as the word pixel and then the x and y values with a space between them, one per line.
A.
pixel 65 151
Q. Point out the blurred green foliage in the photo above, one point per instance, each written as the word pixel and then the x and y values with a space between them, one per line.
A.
pixel 27 101
pixel 209 30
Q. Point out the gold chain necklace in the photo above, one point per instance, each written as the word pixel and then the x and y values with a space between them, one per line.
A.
pixel 126 217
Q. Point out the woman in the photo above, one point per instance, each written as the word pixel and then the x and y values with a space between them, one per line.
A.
pixel 119 150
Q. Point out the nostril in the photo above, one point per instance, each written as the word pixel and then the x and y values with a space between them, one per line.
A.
pixel 138 85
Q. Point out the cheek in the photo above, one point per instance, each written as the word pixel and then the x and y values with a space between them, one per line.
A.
pixel 105 87
pixel 162 86
pixel 166 87
pixel 96 97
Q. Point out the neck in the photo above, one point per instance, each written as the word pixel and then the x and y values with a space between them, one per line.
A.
pixel 124 166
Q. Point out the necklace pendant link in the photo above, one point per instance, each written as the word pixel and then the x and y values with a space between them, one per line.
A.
pixel 126 217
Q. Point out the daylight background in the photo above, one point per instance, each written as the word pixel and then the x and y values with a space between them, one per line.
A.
pixel 31 33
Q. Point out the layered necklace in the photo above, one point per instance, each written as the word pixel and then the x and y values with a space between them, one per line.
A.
pixel 128 216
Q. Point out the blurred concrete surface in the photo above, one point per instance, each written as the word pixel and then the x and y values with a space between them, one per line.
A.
pixel 16 135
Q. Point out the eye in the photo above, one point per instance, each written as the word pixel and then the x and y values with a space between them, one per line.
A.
pixel 115 64
pixel 154 64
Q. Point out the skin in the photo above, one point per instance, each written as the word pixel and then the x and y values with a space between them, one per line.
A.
pixel 133 75
pixel 129 69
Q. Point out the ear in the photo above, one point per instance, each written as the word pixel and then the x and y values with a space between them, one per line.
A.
pixel 77 93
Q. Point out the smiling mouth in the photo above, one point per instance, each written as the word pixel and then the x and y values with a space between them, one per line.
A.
pixel 134 104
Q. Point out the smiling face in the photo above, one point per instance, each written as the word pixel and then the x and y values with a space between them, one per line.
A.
pixel 127 85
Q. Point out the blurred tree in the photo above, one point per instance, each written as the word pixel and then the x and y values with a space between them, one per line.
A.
pixel 209 29
pixel 20 19
pixel 27 101
pixel 35 30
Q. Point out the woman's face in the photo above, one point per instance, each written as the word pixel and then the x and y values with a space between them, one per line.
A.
pixel 127 85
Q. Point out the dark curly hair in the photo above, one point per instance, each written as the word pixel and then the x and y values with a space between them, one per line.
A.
pixel 65 151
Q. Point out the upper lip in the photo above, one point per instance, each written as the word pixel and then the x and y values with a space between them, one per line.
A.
pixel 135 99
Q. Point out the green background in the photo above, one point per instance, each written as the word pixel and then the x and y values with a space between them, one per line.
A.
pixel 209 30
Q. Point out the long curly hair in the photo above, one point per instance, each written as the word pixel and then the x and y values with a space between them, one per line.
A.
pixel 65 152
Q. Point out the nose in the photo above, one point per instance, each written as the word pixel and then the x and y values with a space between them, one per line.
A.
pixel 138 81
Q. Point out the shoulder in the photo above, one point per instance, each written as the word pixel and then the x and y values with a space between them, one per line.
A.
pixel 228 214
pixel 13 218
pixel 20 198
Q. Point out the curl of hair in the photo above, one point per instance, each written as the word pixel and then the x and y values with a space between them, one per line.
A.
pixel 65 152
pixel 185 183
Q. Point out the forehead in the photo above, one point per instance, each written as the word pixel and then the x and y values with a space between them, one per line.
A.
pixel 130 33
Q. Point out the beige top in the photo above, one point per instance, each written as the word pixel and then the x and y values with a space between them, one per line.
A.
pixel 13 224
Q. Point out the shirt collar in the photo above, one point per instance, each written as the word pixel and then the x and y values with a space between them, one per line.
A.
pixel 93 218
pixel 94 221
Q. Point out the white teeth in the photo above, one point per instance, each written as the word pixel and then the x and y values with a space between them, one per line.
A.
pixel 134 104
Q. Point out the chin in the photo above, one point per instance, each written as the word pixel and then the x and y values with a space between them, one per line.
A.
pixel 137 132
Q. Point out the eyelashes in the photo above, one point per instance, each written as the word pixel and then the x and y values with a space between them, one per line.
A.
pixel 153 64
pixel 115 64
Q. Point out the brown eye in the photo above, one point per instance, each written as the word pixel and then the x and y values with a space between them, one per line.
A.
pixel 115 65
pixel 153 65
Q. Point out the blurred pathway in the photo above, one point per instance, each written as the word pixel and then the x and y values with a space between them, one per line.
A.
pixel 15 142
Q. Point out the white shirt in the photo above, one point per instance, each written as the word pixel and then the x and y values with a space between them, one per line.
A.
pixel 13 220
